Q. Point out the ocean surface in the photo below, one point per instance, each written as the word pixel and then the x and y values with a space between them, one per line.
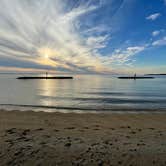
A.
pixel 93 93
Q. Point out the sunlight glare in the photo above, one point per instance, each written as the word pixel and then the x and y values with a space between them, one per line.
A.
pixel 46 53
pixel 46 56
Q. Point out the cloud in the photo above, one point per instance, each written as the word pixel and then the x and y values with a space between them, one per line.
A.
pixel 153 17
pixel 158 32
pixel 124 56
pixel 155 33
pixel 97 42
pixel 30 31
pixel 97 29
pixel 160 42
pixel 61 36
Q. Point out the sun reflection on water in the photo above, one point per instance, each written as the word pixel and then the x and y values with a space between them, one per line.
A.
pixel 48 89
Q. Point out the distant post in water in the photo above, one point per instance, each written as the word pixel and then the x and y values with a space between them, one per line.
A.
pixel 135 76
pixel 46 74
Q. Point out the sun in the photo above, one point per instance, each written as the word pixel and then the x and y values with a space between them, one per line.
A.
pixel 45 52
pixel 46 56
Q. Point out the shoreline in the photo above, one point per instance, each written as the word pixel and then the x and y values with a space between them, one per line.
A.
pixel 40 138
pixel 79 110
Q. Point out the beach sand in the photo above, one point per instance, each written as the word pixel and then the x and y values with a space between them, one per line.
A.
pixel 41 139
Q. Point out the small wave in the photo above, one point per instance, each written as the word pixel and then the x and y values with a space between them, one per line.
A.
pixel 108 100
pixel 89 109
pixel 128 94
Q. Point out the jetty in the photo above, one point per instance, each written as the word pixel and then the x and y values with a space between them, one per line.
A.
pixel 155 74
pixel 58 77
pixel 136 77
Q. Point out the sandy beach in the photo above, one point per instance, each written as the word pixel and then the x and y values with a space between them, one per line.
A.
pixel 40 139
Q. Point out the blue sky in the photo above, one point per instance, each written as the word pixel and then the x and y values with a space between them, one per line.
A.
pixel 78 36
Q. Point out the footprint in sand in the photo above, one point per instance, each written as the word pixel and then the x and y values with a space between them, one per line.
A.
pixel 70 128
pixel 42 143
pixel 18 152
pixel 132 150
pixel 11 131
pixel 119 162
pixel 25 132
pixel 126 143
pixel 96 129
pixel 21 138
pixel 125 127
pixel 47 136
pixel 56 130
pixel 67 144
pixel 85 127
pixel 124 154
pixel 107 142
pixel 40 129
pixel 139 129
pixel 151 128
pixel 96 126
pixel 94 144
pixel 116 140
pixel 141 144
pixel 133 132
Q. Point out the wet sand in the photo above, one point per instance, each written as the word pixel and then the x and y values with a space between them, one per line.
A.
pixel 40 139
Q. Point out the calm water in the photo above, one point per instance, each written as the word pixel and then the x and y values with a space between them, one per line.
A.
pixel 83 93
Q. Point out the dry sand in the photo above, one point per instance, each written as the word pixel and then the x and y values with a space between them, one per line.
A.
pixel 29 138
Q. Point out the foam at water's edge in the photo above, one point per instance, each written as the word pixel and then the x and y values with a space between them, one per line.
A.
pixel 78 110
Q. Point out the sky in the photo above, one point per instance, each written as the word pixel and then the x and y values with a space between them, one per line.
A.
pixel 83 36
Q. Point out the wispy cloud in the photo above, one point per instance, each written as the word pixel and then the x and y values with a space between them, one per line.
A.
pixel 155 33
pixel 97 29
pixel 160 42
pixel 125 56
pixel 97 42
pixel 33 30
pixel 70 36
pixel 153 17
